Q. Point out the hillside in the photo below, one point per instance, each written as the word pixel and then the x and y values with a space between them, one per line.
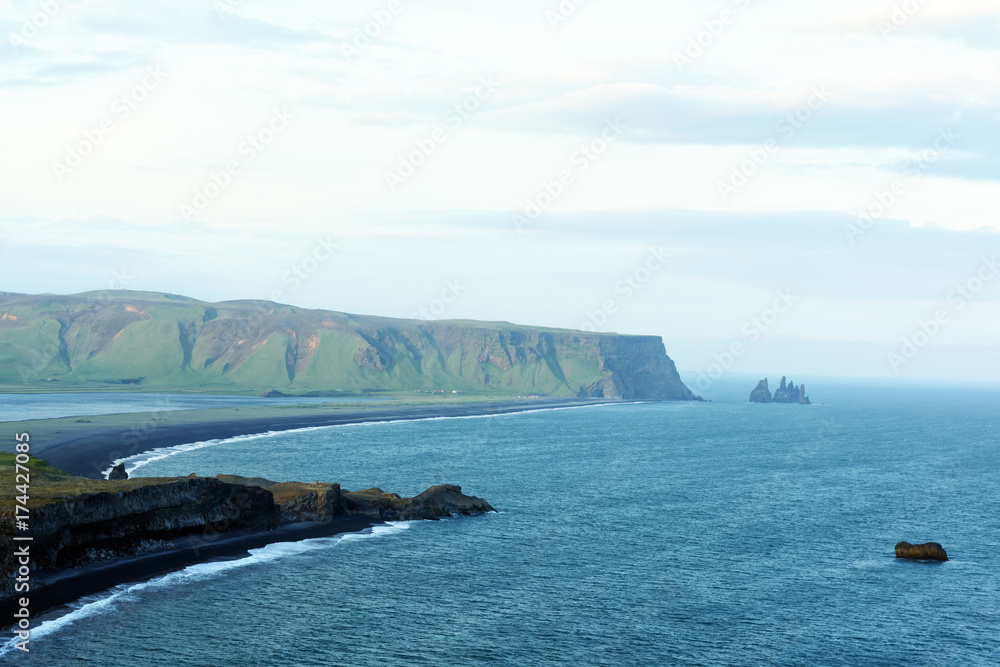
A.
pixel 161 341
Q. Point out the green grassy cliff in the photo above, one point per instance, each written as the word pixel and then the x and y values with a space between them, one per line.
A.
pixel 156 341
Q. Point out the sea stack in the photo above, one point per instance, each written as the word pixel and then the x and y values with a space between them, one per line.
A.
pixel 926 551
pixel 786 392
pixel 761 394
pixel 118 472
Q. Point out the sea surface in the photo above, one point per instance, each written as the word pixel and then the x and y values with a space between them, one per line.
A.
pixel 718 533
pixel 21 407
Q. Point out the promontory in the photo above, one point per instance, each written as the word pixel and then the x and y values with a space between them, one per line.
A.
pixel 88 535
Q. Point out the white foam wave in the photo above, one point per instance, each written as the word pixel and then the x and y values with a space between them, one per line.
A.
pixel 93 605
pixel 136 461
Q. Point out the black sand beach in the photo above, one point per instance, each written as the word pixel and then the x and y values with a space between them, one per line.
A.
pixel 90 449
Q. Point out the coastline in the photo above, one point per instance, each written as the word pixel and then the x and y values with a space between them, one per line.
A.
pixel 91 449
pixel 95 444
pixel 65 586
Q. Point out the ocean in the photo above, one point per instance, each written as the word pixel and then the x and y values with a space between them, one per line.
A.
pixel 717 533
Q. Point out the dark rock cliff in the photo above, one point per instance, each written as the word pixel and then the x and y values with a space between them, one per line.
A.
pixel 321 501
pixel 90 526
pixel 637 367
pixel 76 527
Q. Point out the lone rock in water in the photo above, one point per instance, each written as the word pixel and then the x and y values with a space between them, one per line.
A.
pixel 926 551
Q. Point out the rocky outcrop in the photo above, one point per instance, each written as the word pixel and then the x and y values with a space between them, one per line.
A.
pixel 786 392
pixel 761 394
pixel 318 501
pixel 118 473
pixel 76 521
pixel 437 502
pixel 926 551
pixel 67 533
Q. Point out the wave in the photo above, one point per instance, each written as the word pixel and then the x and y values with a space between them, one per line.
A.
pixel 94 605
pixel 136 461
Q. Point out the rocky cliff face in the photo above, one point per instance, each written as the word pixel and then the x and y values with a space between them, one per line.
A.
pixel 74 531
pixel 320 501
pixel 636 367
pixel 170 341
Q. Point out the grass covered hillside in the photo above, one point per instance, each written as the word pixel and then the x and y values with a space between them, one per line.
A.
pixel 151 341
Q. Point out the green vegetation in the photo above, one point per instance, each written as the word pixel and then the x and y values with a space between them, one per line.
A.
pixel 47 484
pixel 155 342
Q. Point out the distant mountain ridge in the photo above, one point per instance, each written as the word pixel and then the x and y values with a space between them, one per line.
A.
pixel 166 341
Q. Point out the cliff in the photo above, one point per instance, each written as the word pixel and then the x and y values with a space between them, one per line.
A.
pixel 320 501
pixel 76 521
pixel 166 341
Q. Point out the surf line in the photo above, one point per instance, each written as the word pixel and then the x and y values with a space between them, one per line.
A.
pixel 143 458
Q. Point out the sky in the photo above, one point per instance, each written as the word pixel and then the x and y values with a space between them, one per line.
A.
pixel 774 187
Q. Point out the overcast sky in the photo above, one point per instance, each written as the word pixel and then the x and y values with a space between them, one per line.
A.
pixel 774 187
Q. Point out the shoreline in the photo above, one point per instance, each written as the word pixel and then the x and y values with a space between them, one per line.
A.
pixel 87 453
pixel 65 586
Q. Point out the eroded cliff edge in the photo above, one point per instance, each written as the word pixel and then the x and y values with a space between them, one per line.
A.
pixel 155 340
pixel 75 522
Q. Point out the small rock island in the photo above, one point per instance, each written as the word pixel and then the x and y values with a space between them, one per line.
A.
pixel 785 393
pixel 925 551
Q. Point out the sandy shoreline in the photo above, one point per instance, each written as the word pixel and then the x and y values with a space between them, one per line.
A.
pixel 90 449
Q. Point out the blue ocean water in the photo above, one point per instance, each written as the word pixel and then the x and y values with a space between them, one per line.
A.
pixel 21 407
pixel 692 534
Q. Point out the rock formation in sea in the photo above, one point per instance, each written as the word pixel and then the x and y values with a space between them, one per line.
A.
pixel 761 394
pixel 785 393
pixel 118 472
pixel 926 551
